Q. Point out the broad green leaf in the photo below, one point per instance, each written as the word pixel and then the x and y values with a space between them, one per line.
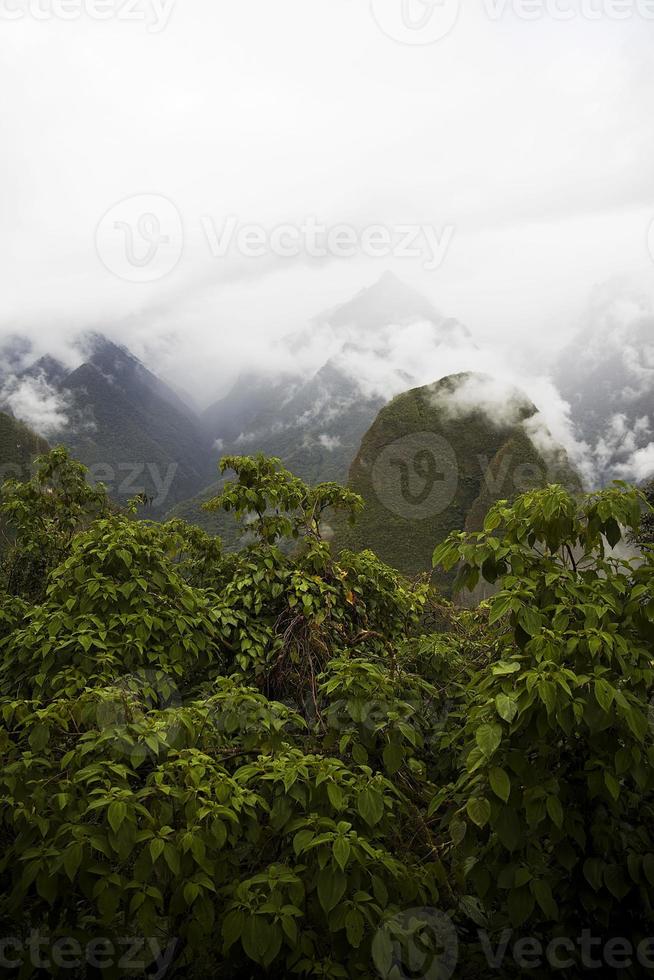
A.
pixel 501 605
pixel 604 694
pixel 331 887
pixel 543 895
pixel 488 739
pixel 341 849
pixel 336 797
pixel 507 707
pixel 612 784
pixel 301 839
pixel 370 805
pixel 479 810
pixel 72 859
pixel 555 811
pixel 593 869
pixel 354 927
pixel 116 814
pixel 500 783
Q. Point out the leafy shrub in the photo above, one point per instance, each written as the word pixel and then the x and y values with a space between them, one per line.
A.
pixel 264 761
pixel 551 818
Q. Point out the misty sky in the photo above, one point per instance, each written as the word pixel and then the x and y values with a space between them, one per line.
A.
pixel 531 140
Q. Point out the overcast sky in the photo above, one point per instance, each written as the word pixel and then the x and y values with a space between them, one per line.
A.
pixel 526 146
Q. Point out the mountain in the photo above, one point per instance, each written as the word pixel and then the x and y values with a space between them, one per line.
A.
pixel 131 429
pixel 437 457
pixel 350 355
pixel 607 376
pixel 389 300
pixel 138 434
pixel 350 361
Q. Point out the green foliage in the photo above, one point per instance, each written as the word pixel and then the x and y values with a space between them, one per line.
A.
pixel 173 765
pixel 276 503
pixel 44 513
pixel 646 533
pixel 551 817
pixel 266 760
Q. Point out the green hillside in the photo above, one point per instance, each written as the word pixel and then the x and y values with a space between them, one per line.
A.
pixel 217 522
pixel 18 447
pixel 424 472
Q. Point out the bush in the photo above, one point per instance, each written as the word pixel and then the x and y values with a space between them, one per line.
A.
pixel 261 763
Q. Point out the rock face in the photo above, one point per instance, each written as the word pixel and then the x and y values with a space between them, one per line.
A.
pixel 435 460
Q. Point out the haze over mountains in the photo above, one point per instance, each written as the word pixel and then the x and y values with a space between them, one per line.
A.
pixel 136 432
pixel 322 393
pixel 343 367
pixel 130 428
pixel 607 376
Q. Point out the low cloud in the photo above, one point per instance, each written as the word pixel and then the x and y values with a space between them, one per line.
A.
pixel 640 465
pixel 35 402
pixel 329 442
pixel 500 401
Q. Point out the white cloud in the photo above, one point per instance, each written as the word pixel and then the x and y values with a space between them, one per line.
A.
pixel 500 401
pixel 36 402
pixel 275 112
pixel 639 466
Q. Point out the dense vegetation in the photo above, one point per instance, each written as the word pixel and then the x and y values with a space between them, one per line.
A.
pixel 291 762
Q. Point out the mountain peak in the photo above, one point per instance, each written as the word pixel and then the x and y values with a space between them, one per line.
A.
pixel 387 301
pixel 98 349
